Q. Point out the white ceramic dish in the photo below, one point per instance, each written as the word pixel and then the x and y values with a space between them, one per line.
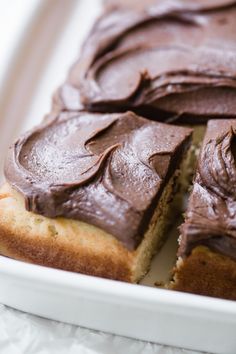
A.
pixel 138 311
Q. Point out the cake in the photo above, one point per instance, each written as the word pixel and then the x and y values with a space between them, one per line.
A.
pixel 94 188
pixel 92 193
pixel 207 251
pixel 166 60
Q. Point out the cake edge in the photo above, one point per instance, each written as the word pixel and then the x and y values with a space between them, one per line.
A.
pixel 205 272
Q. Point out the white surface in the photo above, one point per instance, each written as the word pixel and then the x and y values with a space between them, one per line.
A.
pixel 131 310
pixel 21 333
pixel 18 14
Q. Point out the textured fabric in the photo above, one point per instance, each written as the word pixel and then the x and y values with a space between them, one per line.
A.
pixel 21 333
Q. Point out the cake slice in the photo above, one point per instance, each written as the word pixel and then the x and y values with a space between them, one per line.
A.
pixel 207 251
pixel 92 193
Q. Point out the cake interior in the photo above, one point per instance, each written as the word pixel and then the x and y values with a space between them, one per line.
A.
pixel 190 161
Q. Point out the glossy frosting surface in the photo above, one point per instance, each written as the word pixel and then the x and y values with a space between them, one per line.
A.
pixel 169 60
pixel 211 215
pixel 108 170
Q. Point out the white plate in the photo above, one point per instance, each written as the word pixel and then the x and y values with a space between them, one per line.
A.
pixel 138 311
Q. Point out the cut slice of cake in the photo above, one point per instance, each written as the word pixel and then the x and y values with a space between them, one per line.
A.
pixel 92 193
pixel 207 251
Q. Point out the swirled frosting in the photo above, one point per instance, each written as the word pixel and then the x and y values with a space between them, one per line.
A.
pixel 211 215
pixel 107 170
pixel 168 60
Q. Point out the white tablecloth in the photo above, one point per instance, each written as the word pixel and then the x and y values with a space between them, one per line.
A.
pixel 21 333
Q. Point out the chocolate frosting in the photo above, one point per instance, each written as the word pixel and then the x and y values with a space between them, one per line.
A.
pixel 211 215
pixel 107 170
pixel 169 60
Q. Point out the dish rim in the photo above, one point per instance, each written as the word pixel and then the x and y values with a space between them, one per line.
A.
pixel 117 291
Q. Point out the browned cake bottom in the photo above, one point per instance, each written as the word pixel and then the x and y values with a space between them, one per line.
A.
pixel 206 272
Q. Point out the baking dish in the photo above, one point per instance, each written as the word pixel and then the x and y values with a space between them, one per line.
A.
pixel 138 311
